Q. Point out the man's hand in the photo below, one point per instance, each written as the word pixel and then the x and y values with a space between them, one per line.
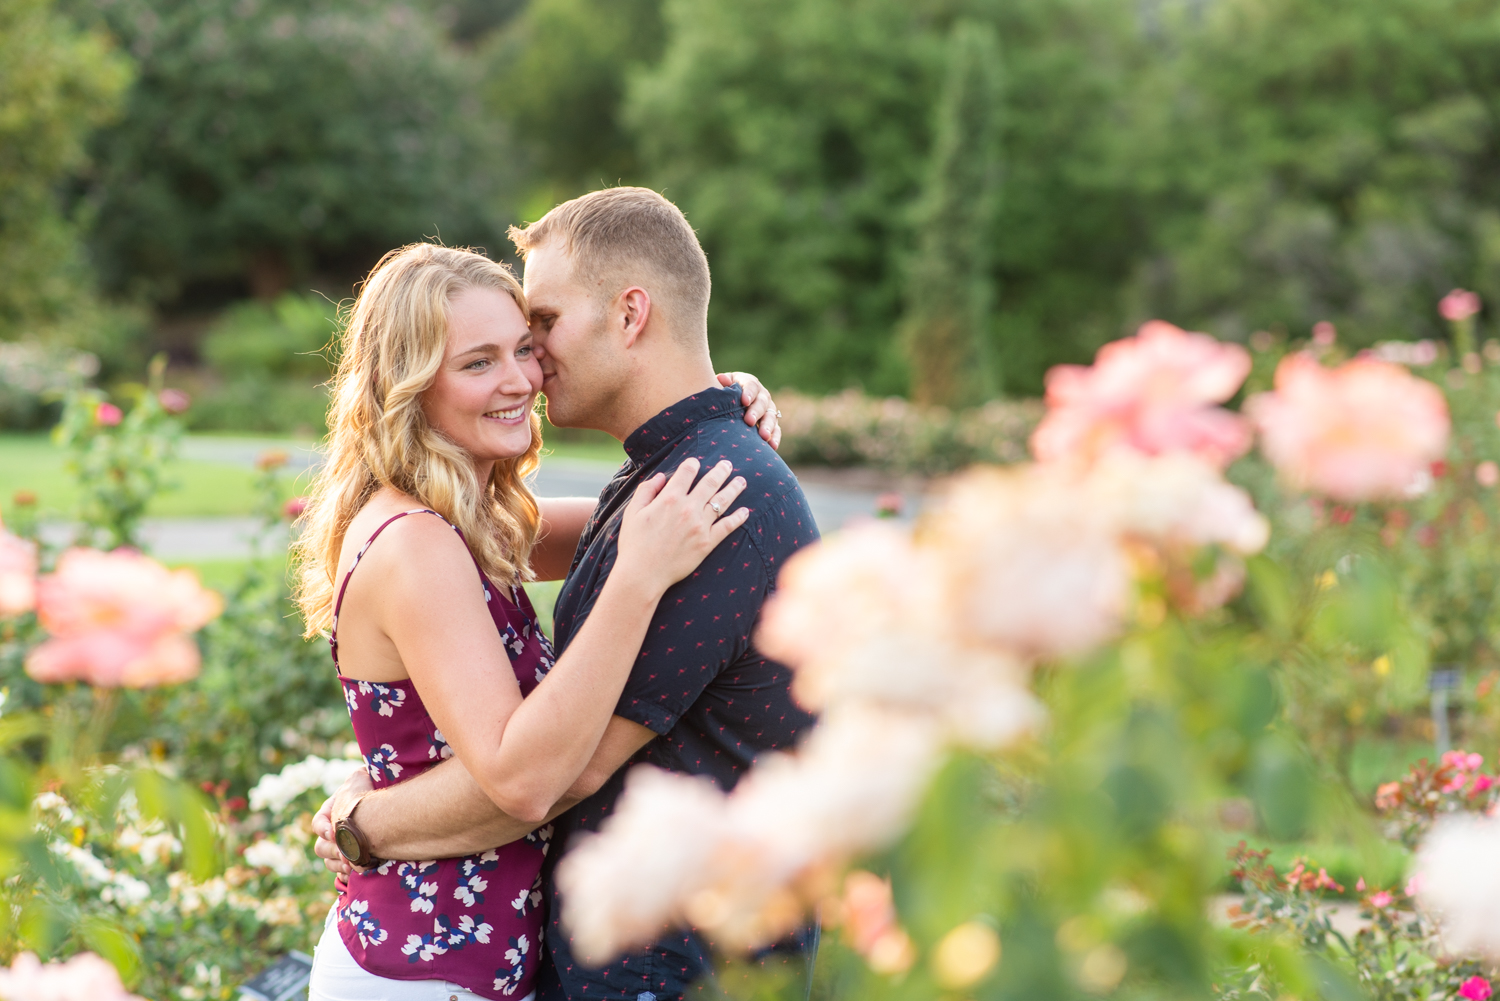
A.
pixel 334 809
pixel 760 409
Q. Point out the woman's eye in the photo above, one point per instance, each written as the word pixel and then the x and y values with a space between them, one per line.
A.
pixel 477 364
pixel 524 351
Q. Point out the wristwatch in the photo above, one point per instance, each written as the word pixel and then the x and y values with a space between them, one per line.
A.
pixel 352 843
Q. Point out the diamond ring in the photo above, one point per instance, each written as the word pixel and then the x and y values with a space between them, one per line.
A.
pixel 715 506
pixel 778 415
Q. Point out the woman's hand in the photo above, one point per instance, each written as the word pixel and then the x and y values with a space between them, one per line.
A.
pixel 760 409
pixel 670 525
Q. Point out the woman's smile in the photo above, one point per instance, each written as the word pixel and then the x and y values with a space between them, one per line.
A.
pixel 512 415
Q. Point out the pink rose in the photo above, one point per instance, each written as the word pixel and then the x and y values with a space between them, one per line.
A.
pixel 119 619
pixel 1475 989
pixel 85 977
pixel 1324 334
pixel 294 507
pixel 17 575
pixel 1366 430
pixel 1487 474
pixel 1458 306
pixel 1151 393
pixel 174 401
pixel 108 415
pixel 1381 899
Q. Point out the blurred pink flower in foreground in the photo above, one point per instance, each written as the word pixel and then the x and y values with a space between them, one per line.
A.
pixel 1366 430
pixel 742 867
pixel 1487 474
pixel 17 575
pixel 1458 305
pixel 1324 334
pixel 108 414
pixel 174 401
pixel 868 916
pixel 1152 393
pixel 119 618
pixel 1457 882
pixel 85 977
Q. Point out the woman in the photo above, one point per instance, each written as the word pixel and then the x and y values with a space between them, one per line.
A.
pixel 437 646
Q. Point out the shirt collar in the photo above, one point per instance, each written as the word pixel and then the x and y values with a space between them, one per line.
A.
pixel 681 417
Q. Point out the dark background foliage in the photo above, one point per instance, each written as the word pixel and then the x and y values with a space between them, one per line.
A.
pixel 1229 165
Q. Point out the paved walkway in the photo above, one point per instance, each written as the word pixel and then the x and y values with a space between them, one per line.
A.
pixel 834 499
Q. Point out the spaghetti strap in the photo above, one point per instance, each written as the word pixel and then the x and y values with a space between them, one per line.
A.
pixel 333 632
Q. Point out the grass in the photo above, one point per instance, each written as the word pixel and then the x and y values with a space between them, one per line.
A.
pixel 204 489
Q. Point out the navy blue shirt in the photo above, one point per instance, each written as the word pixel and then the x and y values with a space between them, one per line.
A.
pixel 699 682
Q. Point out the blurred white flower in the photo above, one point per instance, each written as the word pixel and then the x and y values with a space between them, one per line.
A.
pixel 1177 498
pixel 862 617
pixel 743 866
pixel 282 910
pixel 280 858
pixel 1457 882
pixel 275 792
pixel 154 848
pixel 119 888
pixel 1034 563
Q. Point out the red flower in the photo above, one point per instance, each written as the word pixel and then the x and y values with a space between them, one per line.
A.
pixel 108 414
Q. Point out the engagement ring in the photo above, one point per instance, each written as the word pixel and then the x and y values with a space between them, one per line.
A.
pixel 714 505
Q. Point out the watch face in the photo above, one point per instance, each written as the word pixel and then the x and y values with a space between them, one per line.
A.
pixel 348 844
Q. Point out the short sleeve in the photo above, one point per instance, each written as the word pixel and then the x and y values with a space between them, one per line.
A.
pixel 703 624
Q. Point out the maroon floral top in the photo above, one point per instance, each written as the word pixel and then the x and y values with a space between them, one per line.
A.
pixel 475 921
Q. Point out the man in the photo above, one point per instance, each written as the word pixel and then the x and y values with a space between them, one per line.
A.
pixel 619 290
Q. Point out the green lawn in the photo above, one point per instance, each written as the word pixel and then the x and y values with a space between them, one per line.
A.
pixel 205 489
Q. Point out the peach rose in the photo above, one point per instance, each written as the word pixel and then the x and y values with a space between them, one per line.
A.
pixel 1366 430
pixel 17 575
pixel 1152 393
pixel 119 618
pixel 85 977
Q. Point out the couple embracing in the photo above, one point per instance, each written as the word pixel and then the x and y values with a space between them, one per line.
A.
pixel 485 751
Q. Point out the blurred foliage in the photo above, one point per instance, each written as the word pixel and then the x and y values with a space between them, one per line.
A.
pixel 851 429
pixel 268 363
pixel 290 336
pixel 556 76
pixel 263 137
pixel 950 293
pixel 57 84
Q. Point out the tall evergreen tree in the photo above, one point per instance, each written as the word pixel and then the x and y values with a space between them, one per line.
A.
pixel 950 292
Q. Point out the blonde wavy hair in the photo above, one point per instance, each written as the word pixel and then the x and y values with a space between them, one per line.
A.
pixel 392 345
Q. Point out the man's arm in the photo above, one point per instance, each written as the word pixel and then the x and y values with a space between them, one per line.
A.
pixel 444 813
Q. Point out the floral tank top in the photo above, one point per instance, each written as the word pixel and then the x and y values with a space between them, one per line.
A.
pixel 475 921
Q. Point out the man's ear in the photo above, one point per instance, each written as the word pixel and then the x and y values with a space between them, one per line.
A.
pixel 635 313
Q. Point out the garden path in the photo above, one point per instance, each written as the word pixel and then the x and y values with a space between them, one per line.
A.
pixel 834 500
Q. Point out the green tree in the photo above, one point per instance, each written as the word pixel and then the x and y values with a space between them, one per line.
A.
pixel 950 289
pixel 56 85
pixel 265 137
pixel 1323 160
pixel 557 77
pixel 796 135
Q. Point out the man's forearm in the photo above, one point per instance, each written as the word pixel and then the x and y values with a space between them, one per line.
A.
pixel 441 813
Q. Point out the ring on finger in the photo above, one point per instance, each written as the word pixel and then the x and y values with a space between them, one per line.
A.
pixel 778 415
pixel 715 506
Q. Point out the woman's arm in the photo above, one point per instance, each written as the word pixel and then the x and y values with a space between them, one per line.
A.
pixel 563 521
pixel 526 754
pixel 760 409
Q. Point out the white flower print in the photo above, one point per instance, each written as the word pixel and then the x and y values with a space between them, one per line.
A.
pixel 381 764
pixel 466 892
pixel 437 746
pixel 350 699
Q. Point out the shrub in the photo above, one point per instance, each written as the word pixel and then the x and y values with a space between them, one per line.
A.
pixel 851 429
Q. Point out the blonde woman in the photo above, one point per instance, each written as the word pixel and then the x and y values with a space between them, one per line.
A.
pixel 436 643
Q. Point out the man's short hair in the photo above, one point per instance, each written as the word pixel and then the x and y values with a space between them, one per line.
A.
pixel 624 236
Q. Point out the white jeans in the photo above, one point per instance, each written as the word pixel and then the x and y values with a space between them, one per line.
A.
pixel 337 977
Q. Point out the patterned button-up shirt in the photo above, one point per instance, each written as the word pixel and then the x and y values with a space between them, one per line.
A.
pixel 699 682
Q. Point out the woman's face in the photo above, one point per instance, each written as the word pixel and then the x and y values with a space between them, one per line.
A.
pixel 484 391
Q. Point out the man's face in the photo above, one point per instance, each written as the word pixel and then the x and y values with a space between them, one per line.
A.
pixel 582 367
